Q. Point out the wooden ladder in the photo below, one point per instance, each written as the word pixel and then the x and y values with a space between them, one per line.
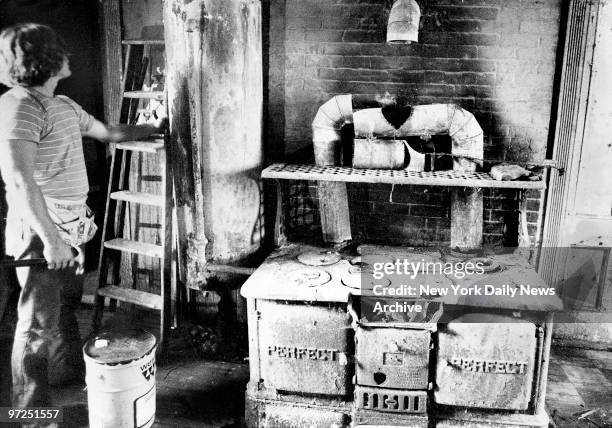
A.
pixel 120 197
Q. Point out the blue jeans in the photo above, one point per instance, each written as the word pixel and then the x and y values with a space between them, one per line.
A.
pixel 47 345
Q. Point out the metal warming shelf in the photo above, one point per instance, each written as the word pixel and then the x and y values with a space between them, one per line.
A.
pixel 431 178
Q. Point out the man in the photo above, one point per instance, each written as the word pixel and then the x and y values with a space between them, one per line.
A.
pixel 42 165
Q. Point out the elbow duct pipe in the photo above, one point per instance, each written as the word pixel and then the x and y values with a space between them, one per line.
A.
pixel 461 125
pixel 331 116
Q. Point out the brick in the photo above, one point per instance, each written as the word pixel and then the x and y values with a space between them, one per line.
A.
pixel 364 36
pixel 532 217
pixel 456 65
pixel 535 4
pixel 449 38
pixel 469 78
pixel 498 216
pixel 448 25
pixel 303 48
pixel 421 197
pixel 371 22
pixel 493 239
pixel 514 66
pixel 444 236
pixel 471 2
pixel 295 61
pixel 391 209
pixel 532 205
pixel 542 53
pixel 496 52
pixel 533 193
pixel 493 228
pixel 438 223
pixel 441 51
pixel 304 23
pixel 323 36
pixel 532 230
pixel 356 49
pixel 337 61
pixel 537 27
pixel 466 12
pixel 428 211
pixel 520 40
pixel 474 91
pixel 396 62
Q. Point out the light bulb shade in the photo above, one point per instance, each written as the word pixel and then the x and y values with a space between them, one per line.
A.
pixel 403 26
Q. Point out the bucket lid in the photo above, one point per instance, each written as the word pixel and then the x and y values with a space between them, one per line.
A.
pixel 119 346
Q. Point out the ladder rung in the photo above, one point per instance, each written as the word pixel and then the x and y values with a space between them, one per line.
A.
pixel 138 197
pixel 156 95
pixel 142 146
pixel 136 247
pixel 137 297
pixel 142 42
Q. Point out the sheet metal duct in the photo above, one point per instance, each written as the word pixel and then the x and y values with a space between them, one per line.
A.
pixel 461 125
pixel 403 25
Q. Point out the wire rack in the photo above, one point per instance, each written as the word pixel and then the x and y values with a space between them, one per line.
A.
pixel 429 178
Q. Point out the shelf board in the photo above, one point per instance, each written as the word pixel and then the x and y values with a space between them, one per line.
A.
pixel 143 42
pixel 154 146
pixel 137 297
pixel 138 197
pixel 448 178
pixel 135 247
pixel 156 95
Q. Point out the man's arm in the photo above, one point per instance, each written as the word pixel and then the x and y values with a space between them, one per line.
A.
pixel 117 133
pixel 16 168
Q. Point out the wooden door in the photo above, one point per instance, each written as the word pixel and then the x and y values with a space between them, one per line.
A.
pixel 588 213
pixel 579 204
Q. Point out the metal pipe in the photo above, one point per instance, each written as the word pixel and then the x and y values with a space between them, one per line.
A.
pixel 540 405
pixel 538 365
pixel 220 268
pixel 9 263
pixel 425 120
pixel 326 127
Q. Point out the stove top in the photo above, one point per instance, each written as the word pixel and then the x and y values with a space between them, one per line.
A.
pixel 297 272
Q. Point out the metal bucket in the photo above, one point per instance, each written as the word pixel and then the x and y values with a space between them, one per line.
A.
pixel 120 379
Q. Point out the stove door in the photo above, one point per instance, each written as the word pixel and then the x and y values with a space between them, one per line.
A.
pixel 305 348
pixel 485 365
pixel 393 358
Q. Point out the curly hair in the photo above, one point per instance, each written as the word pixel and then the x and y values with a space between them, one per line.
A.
pixel 30 54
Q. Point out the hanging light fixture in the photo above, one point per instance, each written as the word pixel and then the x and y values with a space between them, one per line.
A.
pixel 403 25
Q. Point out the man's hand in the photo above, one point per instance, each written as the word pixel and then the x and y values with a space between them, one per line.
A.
pixel 59 255
pixel 160 124
pixel 122 132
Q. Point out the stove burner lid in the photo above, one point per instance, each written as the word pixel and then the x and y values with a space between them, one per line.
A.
pixel 319 258
pixel 308 277
pixel 360 274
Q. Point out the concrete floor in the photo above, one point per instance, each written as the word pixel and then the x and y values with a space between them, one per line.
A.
pixel 190 393
pixel 194 392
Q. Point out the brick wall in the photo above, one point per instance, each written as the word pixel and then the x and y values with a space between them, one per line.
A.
pixel 494 58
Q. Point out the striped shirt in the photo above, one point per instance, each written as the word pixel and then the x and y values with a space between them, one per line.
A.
pixel 55 125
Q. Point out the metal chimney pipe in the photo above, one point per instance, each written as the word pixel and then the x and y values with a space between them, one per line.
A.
pixel 403 24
